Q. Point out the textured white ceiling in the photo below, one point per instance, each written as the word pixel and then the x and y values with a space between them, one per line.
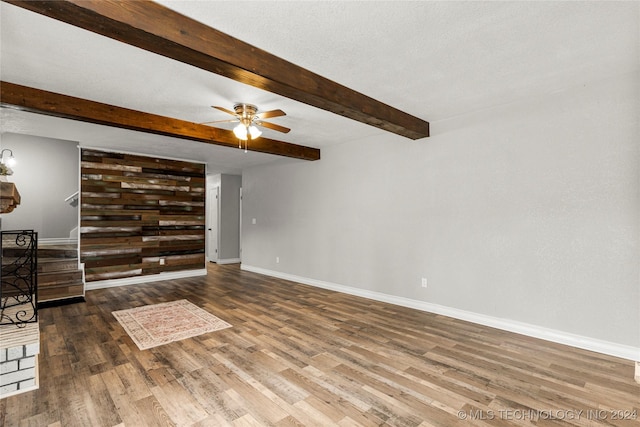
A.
pixel 435 60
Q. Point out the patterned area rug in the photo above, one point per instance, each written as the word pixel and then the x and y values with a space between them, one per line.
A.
pixel 153 325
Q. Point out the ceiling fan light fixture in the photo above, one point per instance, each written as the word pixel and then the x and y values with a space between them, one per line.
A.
pixel 240 131
pixel 250 120
pixel 254 132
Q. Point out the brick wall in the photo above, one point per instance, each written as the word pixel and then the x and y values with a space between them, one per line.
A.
pixel 18 370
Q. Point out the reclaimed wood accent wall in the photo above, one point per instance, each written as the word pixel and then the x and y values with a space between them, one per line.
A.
pixel 140 215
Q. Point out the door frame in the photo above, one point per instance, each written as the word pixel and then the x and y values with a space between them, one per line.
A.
pixel 213 215
pixel 240 227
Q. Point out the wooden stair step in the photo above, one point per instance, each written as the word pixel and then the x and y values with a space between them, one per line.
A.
pixel 46 251
pixel 64 246
pixel 46 265
pixel 56 277
pixel 13 252
pixel 57 252
pixel 11 269
pixel 59 277
pixel 60 291
pixel 10 291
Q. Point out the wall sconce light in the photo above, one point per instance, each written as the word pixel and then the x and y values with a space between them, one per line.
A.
pixel 9 160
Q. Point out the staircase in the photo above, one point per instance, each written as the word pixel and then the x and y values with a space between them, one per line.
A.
pixel 59 277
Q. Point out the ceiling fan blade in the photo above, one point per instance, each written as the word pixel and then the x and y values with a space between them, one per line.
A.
pixel 272 126
pixel 220 121
pixel 269 114
pixel 224 109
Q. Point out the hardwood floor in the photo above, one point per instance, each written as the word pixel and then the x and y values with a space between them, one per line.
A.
pixel 298 355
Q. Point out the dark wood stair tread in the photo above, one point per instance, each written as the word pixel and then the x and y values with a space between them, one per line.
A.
pixel 59 277
pixel 48 265
pixel 54 277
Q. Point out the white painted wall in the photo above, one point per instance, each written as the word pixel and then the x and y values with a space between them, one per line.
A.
pixel 46 173
pixel 527 212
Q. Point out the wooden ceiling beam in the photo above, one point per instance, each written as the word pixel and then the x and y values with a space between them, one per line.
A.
pixel 54 104
pixel 155 28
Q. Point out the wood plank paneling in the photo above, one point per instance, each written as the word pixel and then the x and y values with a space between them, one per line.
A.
pixel 137 211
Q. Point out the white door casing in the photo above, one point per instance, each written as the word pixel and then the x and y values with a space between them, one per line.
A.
pixel 213 224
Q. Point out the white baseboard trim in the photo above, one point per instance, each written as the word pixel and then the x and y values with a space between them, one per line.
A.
pixel 169 275
pixel 600 346
pixel 228 261
pixel 57 241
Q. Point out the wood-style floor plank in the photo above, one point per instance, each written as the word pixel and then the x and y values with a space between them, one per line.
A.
pixel 303 356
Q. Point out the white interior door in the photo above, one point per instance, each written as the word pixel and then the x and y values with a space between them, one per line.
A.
pixel 212 224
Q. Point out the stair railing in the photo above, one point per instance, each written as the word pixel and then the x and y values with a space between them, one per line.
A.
pixel 18 277
pixel 73 199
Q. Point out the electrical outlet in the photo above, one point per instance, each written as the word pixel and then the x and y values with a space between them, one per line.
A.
pixel 424 282
pixel 161 261
pixel 277 260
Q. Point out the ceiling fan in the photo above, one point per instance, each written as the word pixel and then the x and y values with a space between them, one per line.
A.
pixel 249 118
